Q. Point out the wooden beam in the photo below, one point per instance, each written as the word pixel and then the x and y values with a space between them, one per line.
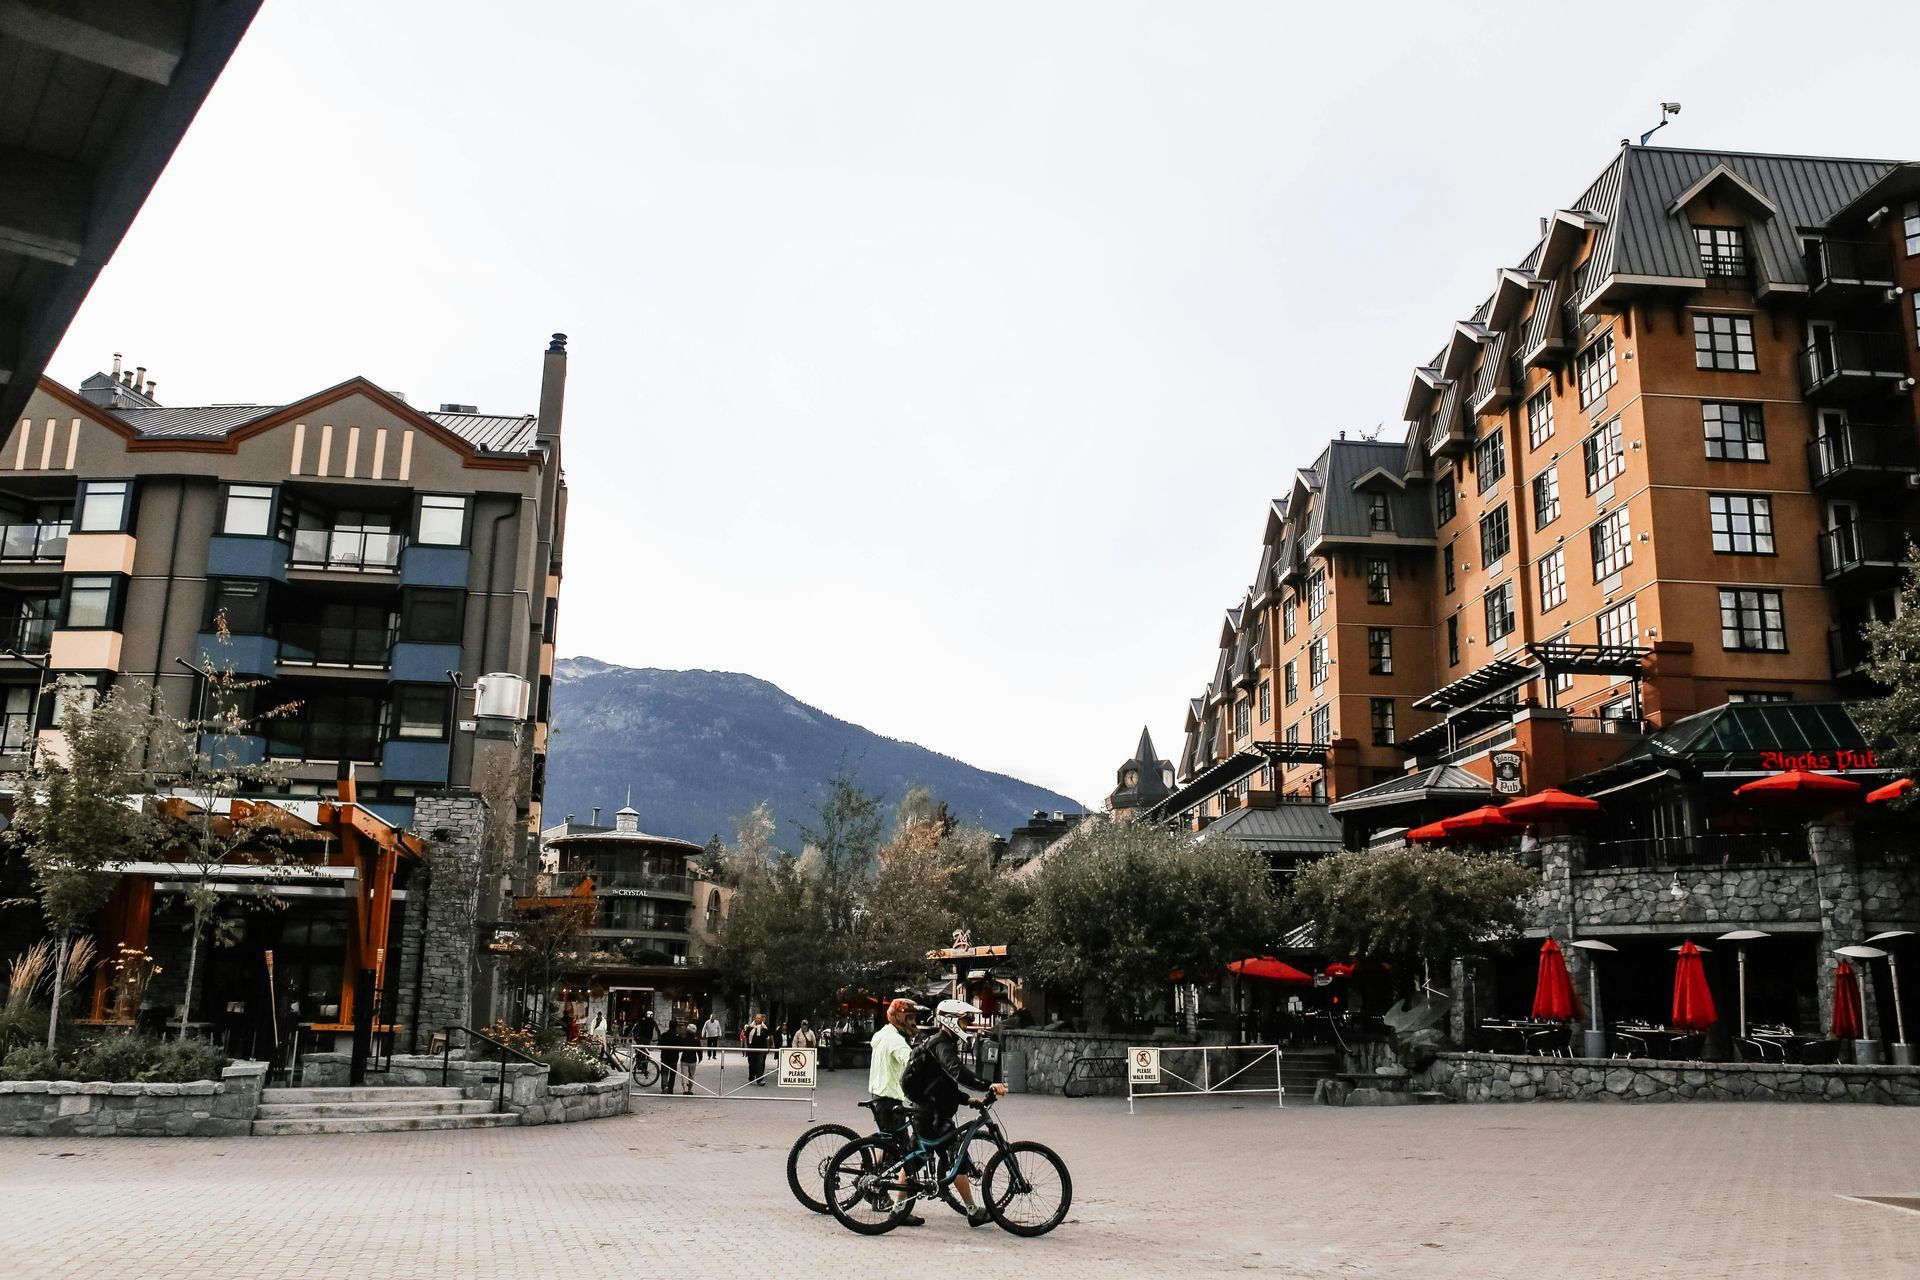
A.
pixel 134 37
pixel 43 206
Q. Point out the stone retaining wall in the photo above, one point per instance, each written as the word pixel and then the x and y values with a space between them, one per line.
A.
pixel 1051 1054
pixel 1500 1077
pixel 528 1093
pixel 69 1108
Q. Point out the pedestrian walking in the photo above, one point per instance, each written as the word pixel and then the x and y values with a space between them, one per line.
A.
pixel 803 1038
pixel 678 1061
pixel 710 1034
pixel 757 1040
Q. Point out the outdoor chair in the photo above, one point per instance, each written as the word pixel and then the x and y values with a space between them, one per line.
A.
pixel 1759 1049
pixel 1552 1042
pixel 1631 1045
pixel 1820 1052
pixel 1687 1048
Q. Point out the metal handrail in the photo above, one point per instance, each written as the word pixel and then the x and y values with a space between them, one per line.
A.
pixel 45 540
pixel 1833 261
pixel 446 1059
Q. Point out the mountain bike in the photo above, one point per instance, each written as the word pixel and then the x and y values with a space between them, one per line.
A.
pixel 1026 1187
pixel 815 1149
pixel 629 1059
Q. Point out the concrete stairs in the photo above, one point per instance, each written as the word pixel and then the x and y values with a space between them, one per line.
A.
pixel 372 1109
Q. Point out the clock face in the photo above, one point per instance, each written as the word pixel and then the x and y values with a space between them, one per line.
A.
pixel 1133 777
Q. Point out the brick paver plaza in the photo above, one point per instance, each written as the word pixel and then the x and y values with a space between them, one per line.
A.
pixel 1183 1189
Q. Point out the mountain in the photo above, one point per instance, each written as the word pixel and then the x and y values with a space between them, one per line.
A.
pixel 700 748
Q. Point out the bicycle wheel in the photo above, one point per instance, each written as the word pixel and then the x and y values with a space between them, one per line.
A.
pixel 980 1153
pixel 807 1162
pixel 1028 1189
pixel 646 1071
pixel 860 1190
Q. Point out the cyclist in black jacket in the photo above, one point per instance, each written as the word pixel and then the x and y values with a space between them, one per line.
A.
pixel 938 1081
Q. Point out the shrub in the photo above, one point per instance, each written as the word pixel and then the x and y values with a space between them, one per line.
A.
pixel 570 1066
pixel 32 1062
pixel 178 1061
pixel 119 1059
pixel 113 1058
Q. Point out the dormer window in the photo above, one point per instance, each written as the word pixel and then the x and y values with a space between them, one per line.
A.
pixel 1379 517
pixel 1723 253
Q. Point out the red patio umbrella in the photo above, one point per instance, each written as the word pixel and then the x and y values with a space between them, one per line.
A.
pixel 1798 784
pixel 1484 821
pixel 1271 969
pixel 1432 832
pixel 1553 999
pixel 1848 1021
pixel 1546 805
pixel 1338 969
pixel 1892 791
pixel 1692 998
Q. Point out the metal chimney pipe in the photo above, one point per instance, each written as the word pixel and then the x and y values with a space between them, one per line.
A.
pixel 139 376
pixel 116 366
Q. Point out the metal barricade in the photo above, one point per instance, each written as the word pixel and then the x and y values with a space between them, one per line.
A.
pixel 791 1069
pixel 1146 1068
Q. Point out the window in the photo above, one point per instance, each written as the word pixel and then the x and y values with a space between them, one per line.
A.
pixel 1323 724
pixel 1723 252
pixel 442 521
pixel 1266 702
pixel 1266 777
pixel 1553 578
pixel 1498 606
pixel 1595 368
pixel 1288 625
pixel 1242 717
pixel 1383 722
pixel 1496 535
pixel 1317 662
pixel 1742 523
pixel 1318 788
pixel 1752 621
pixel 1604 455
pixel 1443 507
pixel 1620 625
pixel 420 712
pixel 430 615
pixel 1612 543
pixel 1316 595
pixel 1292 678
pixel 93 602
pixel 1910 225
pixel 1758 695
pixel 1379 518
pixel 1562 680
pixel 102 506
pixel 1379 580
pixel 1540 417
pixel 1724 342
pixel 1490 460
pixel 242 600
pixel 249 511
pixel 1380 651
pixel 1451 557
pixel 1546 497
pixel 1735 432
pixel 1453 640
pixel 1293 733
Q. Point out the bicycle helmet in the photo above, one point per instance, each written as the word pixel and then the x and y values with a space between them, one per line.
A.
pixel 958 1018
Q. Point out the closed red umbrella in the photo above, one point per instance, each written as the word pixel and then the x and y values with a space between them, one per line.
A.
pixel 1484 821
pixel 1692 998
pixel 1848 1021
pixel 1431 833
pixel 1271 969
pixel 1892 791
pixel 1553 999
pixel 1547 805
pixel 1798 784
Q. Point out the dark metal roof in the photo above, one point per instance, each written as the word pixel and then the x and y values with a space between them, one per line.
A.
pixel 491 432
pixel 1285 828
pixel 1502 675
pixel 488 432
pixel 1341 511
pixel 1440 782
pixel 1749 728
pixel 1222 774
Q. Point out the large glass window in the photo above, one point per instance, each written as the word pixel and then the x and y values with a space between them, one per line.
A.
pixel 1735 432
pixel 1724 342
pixel 1380 651
pixel 1490 459
pixel 430 615
pixel 1383 722
pixel 1612 544
pixel 1752 620
pixel 1379 580
pixel 1288 623
pixel 1498 606
pixel 1323 724
pixel 249 511
pixel 1595 368
pixel 1604 454
pixel 1546 497
pixel 1266 702
pixel 1443 501
pixel 103 506
pixel 1242 718
pixel 93 601
pixel 1742 523
pixel 1540 416
pixel 1496 534
pixel 420 712
pixel 1292 683
pixel 1316 595
pixel 443 521
pixel 1619 626
pixel 1553 578
pixel 1317 662
pixel 242 600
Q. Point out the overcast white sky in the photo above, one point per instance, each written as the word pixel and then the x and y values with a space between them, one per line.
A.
pixel 934 362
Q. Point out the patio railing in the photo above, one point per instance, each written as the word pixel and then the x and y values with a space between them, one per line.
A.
pixel 1707 849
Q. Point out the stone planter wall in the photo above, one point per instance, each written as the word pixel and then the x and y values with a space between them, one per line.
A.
pixel 528 1093
pixel 1500 1077
pixel 1051 1054
pixel 220 1108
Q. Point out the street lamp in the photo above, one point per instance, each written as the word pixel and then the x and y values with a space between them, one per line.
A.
pixel 1902 1051
pixel 1743 937
pixel 1596 1037
pixel 1866 1050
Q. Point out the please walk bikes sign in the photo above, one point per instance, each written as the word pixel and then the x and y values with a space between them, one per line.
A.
pixel 796 1068
pixel 1143 1066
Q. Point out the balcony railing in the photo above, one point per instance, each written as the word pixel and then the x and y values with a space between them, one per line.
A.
pixel 34 542
pixel 290 739
pixel 1842 263
pixel 1862 452
pixel 639 880
pixel 1842 362
pixel 27 635
pixel 317 643
pixel 1864 545
pixel 644 922
pixel 1608 726
pixel 359 550
pixel 1726 270
pixel 1708 849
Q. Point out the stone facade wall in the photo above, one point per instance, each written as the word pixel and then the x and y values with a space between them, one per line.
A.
pixel 454 824
pixel 1727 896
pixel 198 1109
pixel 528 1094
pixel 1499 1077
pixel 1051 1054
pixel 1890 893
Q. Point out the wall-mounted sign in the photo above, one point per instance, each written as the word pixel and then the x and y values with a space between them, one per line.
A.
pixel 1506 772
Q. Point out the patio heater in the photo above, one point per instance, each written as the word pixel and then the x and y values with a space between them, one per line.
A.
pixel 1743 937
pixel 1866 1050
pixel 1902 1051
pixel 1595 1038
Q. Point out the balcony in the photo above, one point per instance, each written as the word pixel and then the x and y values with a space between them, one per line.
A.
pixel 27 635
pixel 1728 269
pixel 620 882
pixel 1845 272
pixel 1847 652
pixel 323 739
pixel 323 645
pixel 1864 552
pixel 347 550
pixel 1861 455
pixel 1851 365
pixel 34 543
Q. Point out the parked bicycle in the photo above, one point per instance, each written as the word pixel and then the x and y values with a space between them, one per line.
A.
pixel 869 1186
pixel 813 1152
pixel 629 1059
